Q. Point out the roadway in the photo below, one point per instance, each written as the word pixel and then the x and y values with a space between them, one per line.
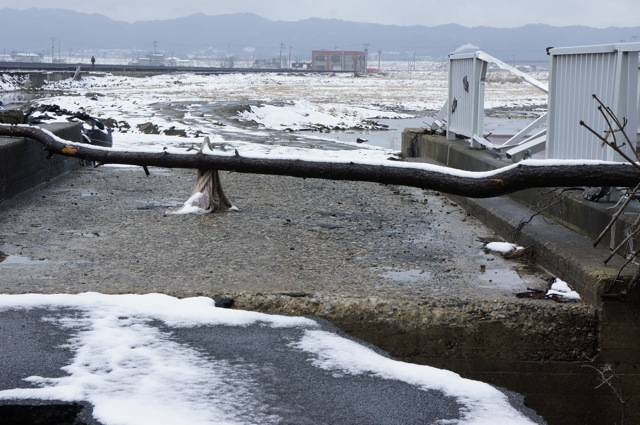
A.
pixel 144 69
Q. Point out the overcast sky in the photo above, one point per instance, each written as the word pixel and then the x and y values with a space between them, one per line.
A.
pixel 495 13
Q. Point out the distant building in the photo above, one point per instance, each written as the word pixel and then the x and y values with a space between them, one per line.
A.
pixel 338 60
pixel 26 57
pixel 301 65
pixel 153 59
pixel 266 63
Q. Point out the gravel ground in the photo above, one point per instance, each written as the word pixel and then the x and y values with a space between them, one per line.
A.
pixel 108 230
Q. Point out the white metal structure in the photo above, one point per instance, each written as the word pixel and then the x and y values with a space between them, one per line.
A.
pixel 609 72
pixel 465 114
pixel 465 105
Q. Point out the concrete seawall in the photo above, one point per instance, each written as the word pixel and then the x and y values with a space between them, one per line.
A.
pixel 25 164
pixel 564 249
pixel 562 241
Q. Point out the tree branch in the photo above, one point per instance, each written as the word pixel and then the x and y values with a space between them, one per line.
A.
pixel 630 196
pixel 481 185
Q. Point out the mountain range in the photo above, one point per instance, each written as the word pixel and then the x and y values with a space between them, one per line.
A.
pixel 47 31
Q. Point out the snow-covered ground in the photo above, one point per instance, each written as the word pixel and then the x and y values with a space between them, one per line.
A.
pixel 129 363
pixel 306 110
pixel 309 115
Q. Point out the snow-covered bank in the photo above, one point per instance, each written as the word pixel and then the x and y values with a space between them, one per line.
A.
pixel 264 112
pixel 319 99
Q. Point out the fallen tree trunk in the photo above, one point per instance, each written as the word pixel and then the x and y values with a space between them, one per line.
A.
pixel 474 185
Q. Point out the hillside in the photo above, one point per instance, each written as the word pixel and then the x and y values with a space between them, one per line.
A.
pixel 250 36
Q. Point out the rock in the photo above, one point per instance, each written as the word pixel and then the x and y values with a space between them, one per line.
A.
pixel 175 132
pixel 123 126
pixel 12 116
pixel 223 302
pixel 110 122
pixel 148 128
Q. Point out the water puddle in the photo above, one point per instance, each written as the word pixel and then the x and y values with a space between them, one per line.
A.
pixel 408 276
pixel 391 138
pixel 16 100
pixel 18 260
pixel 501 278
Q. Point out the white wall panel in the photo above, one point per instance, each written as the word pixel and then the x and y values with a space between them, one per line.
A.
pixel 465 115
pixel 576 74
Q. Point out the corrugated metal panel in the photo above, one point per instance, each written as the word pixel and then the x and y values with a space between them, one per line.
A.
pixel 465 116
pixel 576 74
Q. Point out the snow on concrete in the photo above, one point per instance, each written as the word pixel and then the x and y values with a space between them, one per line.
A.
pixel 133 372
pixel 561 289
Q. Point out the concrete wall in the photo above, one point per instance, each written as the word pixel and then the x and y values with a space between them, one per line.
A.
pixel 584 217
pixel 24 163
pixel 564 392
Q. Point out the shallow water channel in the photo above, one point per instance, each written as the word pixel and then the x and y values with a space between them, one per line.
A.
pixel 222 118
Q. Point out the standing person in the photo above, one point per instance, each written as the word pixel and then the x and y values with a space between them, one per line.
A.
pixel 93 62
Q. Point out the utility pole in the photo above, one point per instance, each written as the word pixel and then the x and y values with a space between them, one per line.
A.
pixel 366 56
pixel 53 48
pixel 379 54
pixel 281 47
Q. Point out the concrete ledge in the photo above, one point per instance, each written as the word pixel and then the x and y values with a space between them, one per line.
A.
pixel 24 163
pixel 561 251
pixel 562 238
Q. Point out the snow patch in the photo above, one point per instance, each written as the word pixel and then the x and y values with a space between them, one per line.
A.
pixel 198 203
pixel 561 289
pixel 503 247
pixel 302 114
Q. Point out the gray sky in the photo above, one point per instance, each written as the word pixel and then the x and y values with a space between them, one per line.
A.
pixel 495 13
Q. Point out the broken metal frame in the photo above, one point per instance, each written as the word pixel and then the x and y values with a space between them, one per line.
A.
pixel 464 109
pixel 576 74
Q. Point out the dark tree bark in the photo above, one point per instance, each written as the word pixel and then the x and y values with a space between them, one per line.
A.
pixel 509 180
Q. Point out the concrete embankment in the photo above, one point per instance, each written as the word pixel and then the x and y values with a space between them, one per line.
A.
pixel 560 227
pixel 24 164
pixel 401 268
